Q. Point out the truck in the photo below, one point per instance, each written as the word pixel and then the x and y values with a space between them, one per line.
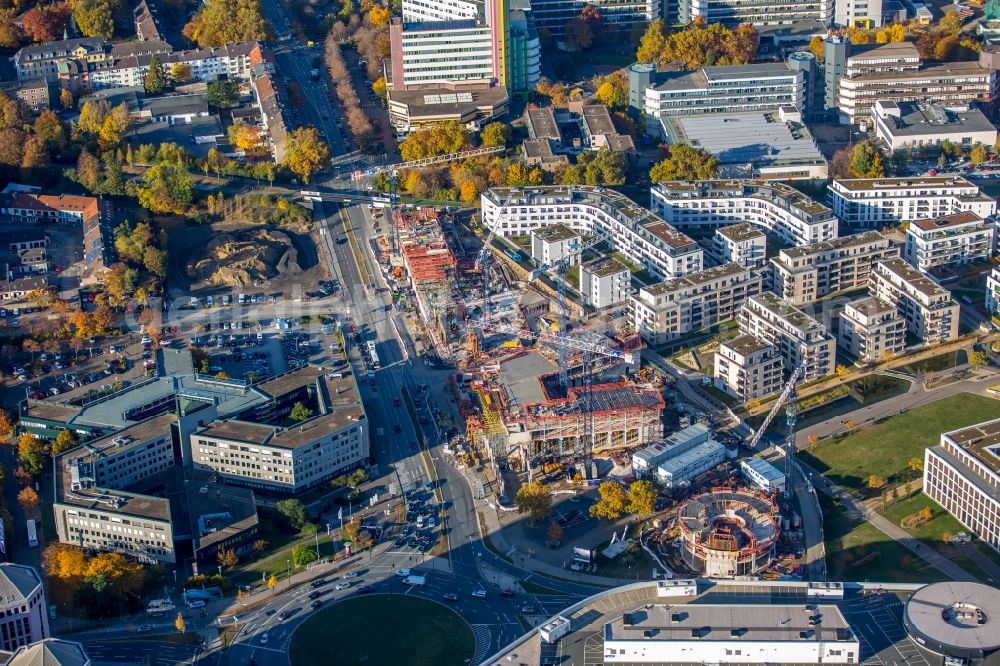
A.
pixel 33 534
pixel 416 581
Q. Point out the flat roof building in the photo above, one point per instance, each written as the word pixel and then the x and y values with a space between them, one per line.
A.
pixel 553 243
pixel 604 282
pixel 743 243
pixel 807 273
pixel 950 240
pixel 775 207
pixel 993 295
pixel 871 330
pixel 910 125
pixel 799 339
pixel 640 235
pixel 873 203
pixel 671 309
pixel 763 474
pixel 927 307
pixel 747 368
pixel 680 458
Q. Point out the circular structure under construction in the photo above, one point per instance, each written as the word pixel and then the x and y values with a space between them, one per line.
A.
pixel 728 532
pixel 955 619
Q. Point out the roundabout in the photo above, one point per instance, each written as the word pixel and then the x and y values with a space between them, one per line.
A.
pixel 383 629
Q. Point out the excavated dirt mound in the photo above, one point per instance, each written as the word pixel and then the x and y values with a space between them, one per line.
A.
pixel 244 258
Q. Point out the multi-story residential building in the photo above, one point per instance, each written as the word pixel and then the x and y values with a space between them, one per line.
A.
pixel 722 89
pixel 50 652
pixel 23 207
pixel 757 12
pixel 271 97
pixel 909 125
pixel 949 240
pixel 670 309
pixel 637 233
pixel 962 474
pixel 871 330
pixel 604 282
pixel 293 459
pixel 747 368
pixel 993 295
pixel 42 60
pixel 798 338
pixel 927 307
pixel 553 15
pixel 552 243
pixel 92 508
pixel 24 615
pixel 36 93
pixel 873 203
pixel 742 243
pixel 806 273
pixel 775 207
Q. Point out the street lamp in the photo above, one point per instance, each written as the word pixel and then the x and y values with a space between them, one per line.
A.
pixel 288 571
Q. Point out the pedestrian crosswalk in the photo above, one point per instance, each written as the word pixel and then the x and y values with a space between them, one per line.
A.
pixel 484 639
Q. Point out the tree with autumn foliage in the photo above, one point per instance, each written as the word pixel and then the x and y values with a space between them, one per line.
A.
pixel 101 584
pixel 613 91
pixel 585 29
pixel 434 140
pixel 699 44
pixel 305 153
pixel 221 22
pixel 28 499
pixel 30 454
pixel 685 163
pixel 46 23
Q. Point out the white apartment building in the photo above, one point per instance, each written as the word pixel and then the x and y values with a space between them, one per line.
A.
pixel 908 125
pixel 850 12
pixel 723 89
pixel 757 12
pixel 747 368
pixel 415 11
pixel 92 509
pixel 962 474
pixel 671 309
pixel 289 459
pixel 871 330
pixel 927 307
pixel 775 207
pixel 807 273
pixel 636 232
pixel 432 54
pixel 24 615
pixel 993 295
pixel 604 282
pixel 798 338
pixel 552 243
pixel 873 203
pixel 950 240
pixel 742 243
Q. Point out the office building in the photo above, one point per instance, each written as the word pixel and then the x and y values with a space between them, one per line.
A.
pixel 763 474
pixel 94 510
pixel 722 634
pixel 807 273
pixel 554 242
pixel 524 50
pixel 928 309
pixel 747 368
pixel 871 330
pixel 604 282
pixel 741 243
pixel 873 203
pixel 771 145
pixel 419 11
pixel 775 207
pixel 852 12
pixel 681 457
pixel 553 15
pixel 425 54
pixel 962 474
pixel 798 338
pixel 637 233
pixel 756 88
pixel 993 295
pixel 668 310
pixel 24 615
pixel 598 131
pixel 909 126
pixel 813 13
pixel 50 652
pixel 950 240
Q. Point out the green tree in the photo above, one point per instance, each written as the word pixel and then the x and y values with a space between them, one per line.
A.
pixel 300 412
pixel 51 130
pixel 533 498
pixel 978 154
pixel 155 81
pixel 685 163
pixel 302 555
pixel 641 497
pixel 613 92
pixel 613 502
pixel 866 161
pixel 94 18
pixel 305 153
pixel 30 454
pixel 293 511
pixel 495 134
pixel 165 189
pixel 223 94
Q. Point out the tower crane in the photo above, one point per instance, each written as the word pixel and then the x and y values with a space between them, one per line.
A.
pixel 789 400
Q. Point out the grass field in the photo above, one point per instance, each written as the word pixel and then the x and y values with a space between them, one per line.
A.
pixel 424 633
pixel 886 448
pixel 849 549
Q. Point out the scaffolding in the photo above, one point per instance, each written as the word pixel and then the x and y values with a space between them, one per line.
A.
pixel 493 429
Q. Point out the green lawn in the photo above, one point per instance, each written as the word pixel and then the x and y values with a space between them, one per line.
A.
pixel 355 632
pixel 886 448
pixel 849 548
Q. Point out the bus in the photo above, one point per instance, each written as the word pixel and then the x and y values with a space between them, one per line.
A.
pixel 32 534
pixel 372 354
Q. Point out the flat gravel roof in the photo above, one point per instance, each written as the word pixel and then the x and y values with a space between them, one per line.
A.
pixel 963 616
